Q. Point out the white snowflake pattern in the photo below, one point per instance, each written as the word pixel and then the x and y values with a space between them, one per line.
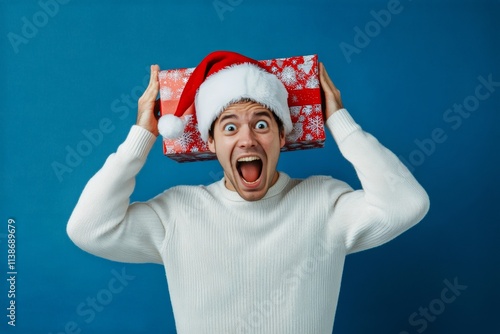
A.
pixel 307 110
pixel 174 75
pixel 166 93
pixel 312 82
pixel 170 149
pixel 288 76
pixel 185 140
pixel 301 76
pixel 302 118
pixel 178 92
pixel 307 65
pixel 308 59
pixel 309 136
pixel 295 110
pixel 162 75
pixel 274 69
pixel 315 125
pixel 296 132
pixel 317 107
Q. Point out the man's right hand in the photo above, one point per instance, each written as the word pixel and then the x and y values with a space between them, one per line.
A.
pixel 148 105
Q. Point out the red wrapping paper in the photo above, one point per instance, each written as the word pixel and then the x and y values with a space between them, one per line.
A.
pixel 300 75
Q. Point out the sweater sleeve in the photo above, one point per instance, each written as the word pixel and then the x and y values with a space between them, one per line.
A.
pixel 390 201
pixel 104 223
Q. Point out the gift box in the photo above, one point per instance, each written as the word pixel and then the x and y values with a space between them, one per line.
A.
pixel 299 74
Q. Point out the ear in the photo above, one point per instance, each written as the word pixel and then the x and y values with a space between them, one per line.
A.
pixel 211 144
pixel 282 137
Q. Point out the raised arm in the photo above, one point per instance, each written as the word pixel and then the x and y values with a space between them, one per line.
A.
pixel 104 222
pixel 390 201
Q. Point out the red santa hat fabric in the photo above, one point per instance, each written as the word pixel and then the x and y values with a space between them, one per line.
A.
pixel 223 78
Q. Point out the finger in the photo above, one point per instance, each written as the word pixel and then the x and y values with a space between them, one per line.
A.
pixel 325 79
pixel 153 78
pixel 152 90
pixel 332 89
pixel 332 94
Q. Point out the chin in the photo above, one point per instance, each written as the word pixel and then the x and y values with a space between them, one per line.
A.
pixel 252 197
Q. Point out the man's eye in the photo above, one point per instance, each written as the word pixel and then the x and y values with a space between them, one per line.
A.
pixel 230 127
pixel 261 125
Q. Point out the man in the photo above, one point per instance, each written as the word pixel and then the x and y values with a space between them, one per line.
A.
pixel 256 252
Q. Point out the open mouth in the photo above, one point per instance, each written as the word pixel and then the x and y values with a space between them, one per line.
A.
pixel 249 168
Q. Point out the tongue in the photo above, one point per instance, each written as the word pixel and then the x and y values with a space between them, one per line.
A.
pixel 250 170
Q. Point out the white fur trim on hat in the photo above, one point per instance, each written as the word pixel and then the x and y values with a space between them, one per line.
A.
pixel 170 126
pixel 238 82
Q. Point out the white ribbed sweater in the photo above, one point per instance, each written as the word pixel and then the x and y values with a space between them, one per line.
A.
pixel 270 266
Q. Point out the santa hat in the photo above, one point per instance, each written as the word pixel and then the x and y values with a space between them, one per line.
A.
pixel 223 78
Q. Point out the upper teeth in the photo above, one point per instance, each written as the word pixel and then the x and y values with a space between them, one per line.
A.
pixel 245 159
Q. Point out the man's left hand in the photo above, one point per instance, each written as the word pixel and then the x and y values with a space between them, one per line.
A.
pixel 333 102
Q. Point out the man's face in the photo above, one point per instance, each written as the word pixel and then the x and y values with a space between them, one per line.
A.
pixel 247 142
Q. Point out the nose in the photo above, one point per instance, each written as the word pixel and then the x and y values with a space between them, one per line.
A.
pixel 246 137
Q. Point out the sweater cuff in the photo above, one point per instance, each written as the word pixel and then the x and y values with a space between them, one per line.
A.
pixel 341 125
pixel 139 142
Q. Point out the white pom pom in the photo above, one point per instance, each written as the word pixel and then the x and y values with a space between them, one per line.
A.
pixel 170 126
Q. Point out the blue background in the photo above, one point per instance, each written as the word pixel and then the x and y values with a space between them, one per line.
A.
pixel 71 72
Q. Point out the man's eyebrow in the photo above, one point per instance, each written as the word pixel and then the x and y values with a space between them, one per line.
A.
pixel 235 116
pixel 263 113
pixel 227 116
